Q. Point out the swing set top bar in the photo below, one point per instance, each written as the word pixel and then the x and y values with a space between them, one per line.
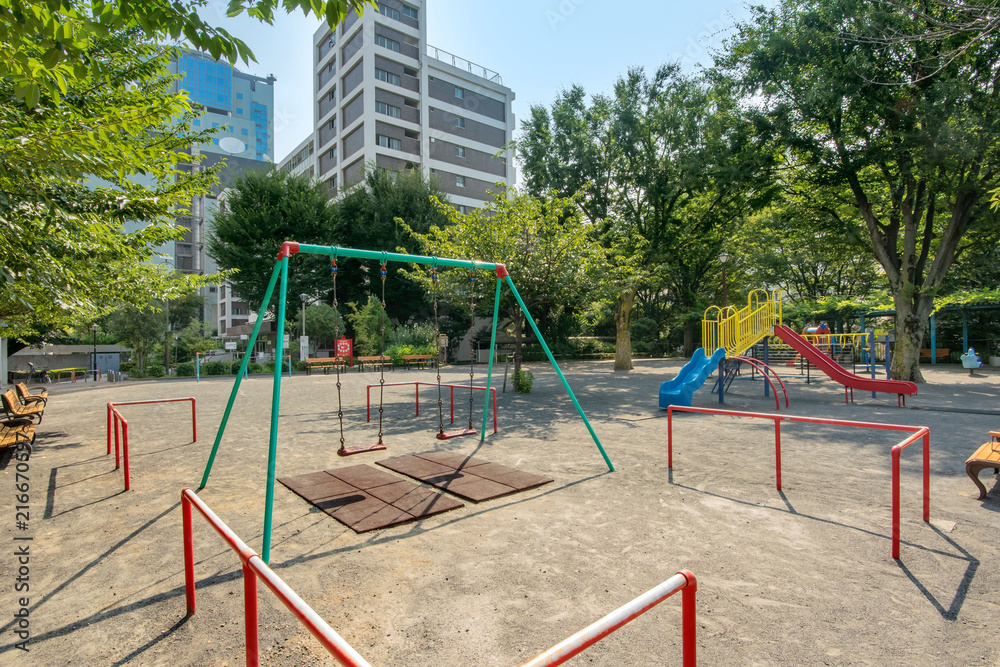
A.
pixel 289 248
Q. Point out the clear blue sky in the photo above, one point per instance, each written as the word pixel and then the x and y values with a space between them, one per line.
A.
pixel 538 46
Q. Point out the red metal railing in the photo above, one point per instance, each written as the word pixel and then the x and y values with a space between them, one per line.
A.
pixel 416 386
pixel 682 581
pixel 766 372
pixel 117 422
pixel 254 567
pixel 918 433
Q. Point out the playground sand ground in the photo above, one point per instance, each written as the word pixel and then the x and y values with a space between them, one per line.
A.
pixel 798 577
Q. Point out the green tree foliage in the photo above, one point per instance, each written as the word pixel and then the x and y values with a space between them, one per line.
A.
pixel 323 325
pixel 48 45
pixel 262 210
pixel 367 216
pixel 665 166
pixel 907 128
pixel 66 253
pixel 140 329
pixel 546 248
pixel 371 327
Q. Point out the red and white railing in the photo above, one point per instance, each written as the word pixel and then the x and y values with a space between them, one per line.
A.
pixel 254 568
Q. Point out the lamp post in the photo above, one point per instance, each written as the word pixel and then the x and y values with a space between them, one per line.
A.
pixel 723 258
pixel 303 353
pixel 93 366
pixel 303 298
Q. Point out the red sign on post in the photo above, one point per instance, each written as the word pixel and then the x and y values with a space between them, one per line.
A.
pixel 345 348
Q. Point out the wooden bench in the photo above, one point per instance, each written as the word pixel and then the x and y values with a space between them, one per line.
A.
pixel 325 364
pixel 940 352
pixel 16 410
pixel 17 432
pixel 24 393
pixel 987 456
pixel 419 360
pixel 374 362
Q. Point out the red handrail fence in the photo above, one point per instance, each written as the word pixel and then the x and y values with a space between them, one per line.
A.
pixel 416 387
pixel 117 422
pixel 254 568
pixel 917 433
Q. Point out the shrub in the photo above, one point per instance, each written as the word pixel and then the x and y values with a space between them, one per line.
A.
pixel 127 367
pixel 155 372
pixel 185 369
pixel 254 368
pixel 523 380
pixel 215 368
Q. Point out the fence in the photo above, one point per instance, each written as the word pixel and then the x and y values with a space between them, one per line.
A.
pixel 416 385
pixel 119 422
pixel 917 433
pixel 254 568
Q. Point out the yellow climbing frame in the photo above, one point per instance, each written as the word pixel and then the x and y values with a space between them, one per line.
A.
pixel 737 330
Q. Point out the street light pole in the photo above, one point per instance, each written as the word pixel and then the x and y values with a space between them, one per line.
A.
pixel 723 258
pixel 303 298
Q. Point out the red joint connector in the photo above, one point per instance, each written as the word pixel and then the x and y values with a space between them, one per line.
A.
pixel 692 582
pixel 288 248
pixel 501 272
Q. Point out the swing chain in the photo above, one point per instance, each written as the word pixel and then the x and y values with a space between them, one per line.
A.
pixel 381 379
pixel 472 339
pixel 336 365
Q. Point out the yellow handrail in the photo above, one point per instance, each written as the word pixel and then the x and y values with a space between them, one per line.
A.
pixel 737 330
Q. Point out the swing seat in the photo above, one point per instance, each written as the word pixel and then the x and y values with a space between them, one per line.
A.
pixel 348 451
pixel 448 435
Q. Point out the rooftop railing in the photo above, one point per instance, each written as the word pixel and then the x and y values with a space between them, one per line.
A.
pixel 463 64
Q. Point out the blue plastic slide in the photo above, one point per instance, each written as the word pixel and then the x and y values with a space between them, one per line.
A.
pixel 679 390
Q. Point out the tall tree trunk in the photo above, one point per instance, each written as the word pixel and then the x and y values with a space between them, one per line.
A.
pixel 623 331
pixel 689 339
pixel 912 315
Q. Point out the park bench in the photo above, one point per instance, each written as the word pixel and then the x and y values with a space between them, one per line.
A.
pixel 375 362
pixel 939 353
pixel 16 431
pixel 418 360
pixel 15 409
pixel 24 393
pixel 325 364
pixel 987 456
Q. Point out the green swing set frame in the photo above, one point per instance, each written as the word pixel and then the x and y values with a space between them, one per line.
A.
pixel 280 272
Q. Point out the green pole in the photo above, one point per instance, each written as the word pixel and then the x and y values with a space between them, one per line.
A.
pixel 239 378
pixel 552 360
pixel 340 253
pixel 272 451
pixel 493 343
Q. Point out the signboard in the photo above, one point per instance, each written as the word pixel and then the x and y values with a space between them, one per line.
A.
pixel 344 347
pixel 230 344
pixel 287 340
pixel 303 348
pixel 243 337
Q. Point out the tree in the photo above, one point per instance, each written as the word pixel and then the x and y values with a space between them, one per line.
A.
pixel 546 248
pixel 664 166
pixel 367 216
pixel 140 329
pixel 262 210
pixel 47 45
pixel 918 157
pixel 323 325
pixel 65 252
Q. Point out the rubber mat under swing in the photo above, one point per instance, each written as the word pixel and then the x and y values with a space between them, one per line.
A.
pixel 465 476
pixel 364 498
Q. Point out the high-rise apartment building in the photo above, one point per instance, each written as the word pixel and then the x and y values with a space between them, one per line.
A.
pixel 242 105
pixel 383 97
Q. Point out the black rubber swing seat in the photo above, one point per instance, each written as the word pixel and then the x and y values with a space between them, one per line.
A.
pixel 448 435
pixel 349 451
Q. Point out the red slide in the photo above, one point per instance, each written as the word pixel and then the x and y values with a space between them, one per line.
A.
pixel 816 357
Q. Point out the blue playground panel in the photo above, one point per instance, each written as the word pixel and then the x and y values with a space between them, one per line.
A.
pixel 680 390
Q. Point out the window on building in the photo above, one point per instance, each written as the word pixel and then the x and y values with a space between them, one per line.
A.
pixel 384 41
pixel 412 12
pixel 460 181
pixel 197 123
pixel 459 93
pixel 222 309
pixel 222 292
pixel 388 77
pixel 239 110
pixel 244 131
pixel 462 209
pixel 239 96
pixel 386 10
pixel 459 151
pixel 387 109
pixel 388 142
pixel 459 121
